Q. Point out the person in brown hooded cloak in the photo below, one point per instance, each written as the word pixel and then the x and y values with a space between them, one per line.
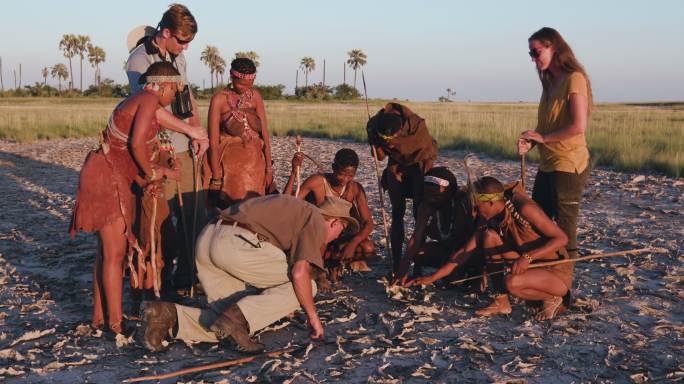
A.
pixel 402 136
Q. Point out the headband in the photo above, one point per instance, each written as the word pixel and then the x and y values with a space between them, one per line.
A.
pixel 436 180
pixel 485 197
pixel 246 76
pixel 164 79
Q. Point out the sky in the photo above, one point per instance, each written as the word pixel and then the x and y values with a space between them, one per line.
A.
pixel 632 50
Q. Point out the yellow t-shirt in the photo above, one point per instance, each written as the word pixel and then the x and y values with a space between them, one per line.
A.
pixel 569 155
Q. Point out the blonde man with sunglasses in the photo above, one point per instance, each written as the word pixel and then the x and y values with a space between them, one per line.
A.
pixel 173 35
pixel 513 232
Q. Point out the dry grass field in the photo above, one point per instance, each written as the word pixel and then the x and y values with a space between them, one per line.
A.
pixel 627 137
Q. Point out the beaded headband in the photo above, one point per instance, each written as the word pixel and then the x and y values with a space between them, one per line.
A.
pixel 246 76
pixel 436 180
pixel 485 197
pixel 164 79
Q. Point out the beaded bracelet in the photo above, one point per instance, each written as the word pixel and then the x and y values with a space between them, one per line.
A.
pixel 527 256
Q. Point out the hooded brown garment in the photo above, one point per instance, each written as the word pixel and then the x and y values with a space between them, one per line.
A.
pixel 412 145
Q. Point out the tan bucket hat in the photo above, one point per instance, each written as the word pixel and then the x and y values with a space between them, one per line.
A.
pixel 337 207
pixel 138 33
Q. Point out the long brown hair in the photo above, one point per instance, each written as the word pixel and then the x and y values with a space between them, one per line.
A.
pixel 563 58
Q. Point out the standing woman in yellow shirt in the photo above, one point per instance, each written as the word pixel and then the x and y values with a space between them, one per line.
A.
pixel 562 120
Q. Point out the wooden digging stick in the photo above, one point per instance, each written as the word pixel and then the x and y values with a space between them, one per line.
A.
pixel 207 367
pixel 374 152
pixel 565 261
pixel 298 142
pixel 196 169
pixel 153 248
pixel 522 171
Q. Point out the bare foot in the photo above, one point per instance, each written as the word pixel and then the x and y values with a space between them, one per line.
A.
pixel 550 309
pixel 500 306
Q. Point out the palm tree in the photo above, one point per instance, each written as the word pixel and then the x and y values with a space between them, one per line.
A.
pixel 96 55
pixel 308 64
pixel 220 69
pixel 357 59
pixel 68 46
pixel 60 72
pixel 249 55
pixel 44 72
pixel 209 58
pixel 82 42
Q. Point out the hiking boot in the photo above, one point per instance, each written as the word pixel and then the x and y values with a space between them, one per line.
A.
pixel 159 318
pixel 232 323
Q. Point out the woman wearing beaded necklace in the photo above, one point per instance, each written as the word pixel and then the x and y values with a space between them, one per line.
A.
pixel 239 144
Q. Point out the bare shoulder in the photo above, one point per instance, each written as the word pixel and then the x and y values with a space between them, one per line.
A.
pixel 530 210
pixel 316 178
pixel 142 99
pixel 218 98
pixel 357 188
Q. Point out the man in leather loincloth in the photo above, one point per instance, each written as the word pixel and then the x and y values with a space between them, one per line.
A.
pixel 173 35
pixel 513 232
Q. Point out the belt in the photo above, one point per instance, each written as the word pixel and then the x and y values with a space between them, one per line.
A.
pixel 233 223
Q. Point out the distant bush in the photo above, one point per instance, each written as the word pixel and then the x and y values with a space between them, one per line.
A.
pixel 108 88
pixel 314 92
pixel 271 92
pixel 346 92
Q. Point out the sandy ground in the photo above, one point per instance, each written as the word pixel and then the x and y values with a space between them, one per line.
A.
pixel 627 325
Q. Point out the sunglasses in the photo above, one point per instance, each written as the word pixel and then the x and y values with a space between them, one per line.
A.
pixel 534 53
pixel 180 41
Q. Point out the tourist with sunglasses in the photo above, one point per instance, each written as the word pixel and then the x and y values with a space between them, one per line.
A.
pixel 167 42
pixel 402 136
pixel 560 133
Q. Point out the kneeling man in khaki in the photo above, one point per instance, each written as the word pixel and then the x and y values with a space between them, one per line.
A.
pixel 274 243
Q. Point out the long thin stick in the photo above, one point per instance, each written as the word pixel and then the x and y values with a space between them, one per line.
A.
pixel 196 167
pixel 153 247
pixel 522 171
pixel 207 367
pixel 379 179
pixel 565 261
pixel 184 221
pixel 298 142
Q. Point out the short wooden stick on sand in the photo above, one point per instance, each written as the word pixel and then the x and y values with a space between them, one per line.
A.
pixel 208 367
